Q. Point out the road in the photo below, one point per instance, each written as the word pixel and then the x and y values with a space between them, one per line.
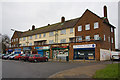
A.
pixel 20 69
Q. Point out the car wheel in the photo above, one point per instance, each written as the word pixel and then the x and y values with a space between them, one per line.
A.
pixel 46 60
pixel 35 60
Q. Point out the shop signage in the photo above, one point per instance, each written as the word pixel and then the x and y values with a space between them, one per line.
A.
pixel 39 48
pixel 10 50
pixel 17 50
pixel 27 48
pixel 84 46
pixel 46 47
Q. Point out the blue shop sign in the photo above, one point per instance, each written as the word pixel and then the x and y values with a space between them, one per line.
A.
pixel 17 50
pixel 10 50
pixel 38 48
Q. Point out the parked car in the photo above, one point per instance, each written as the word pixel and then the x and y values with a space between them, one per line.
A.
pixel 115 55
pixel 18 56
pixel 37 57
pixel 12 56
pixel 7 56
pixel 25 57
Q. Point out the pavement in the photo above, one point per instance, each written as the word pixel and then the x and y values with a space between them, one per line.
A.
pixel 79 72
pixel 21 69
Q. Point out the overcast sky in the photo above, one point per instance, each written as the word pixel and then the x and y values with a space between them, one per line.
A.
pixel 22 15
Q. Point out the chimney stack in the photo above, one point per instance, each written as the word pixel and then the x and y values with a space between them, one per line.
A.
pixel 33 27
pixel 62 19
pixel 48 24
pixel 105 11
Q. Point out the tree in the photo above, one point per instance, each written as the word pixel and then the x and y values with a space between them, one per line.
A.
pixel 4 42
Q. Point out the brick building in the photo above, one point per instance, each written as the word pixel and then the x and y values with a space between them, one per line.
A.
pixel 80 38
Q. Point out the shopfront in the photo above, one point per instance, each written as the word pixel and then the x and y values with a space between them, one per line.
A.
pixel 86 52
pixel 60 52
pixel 44 51
pixel 10 51
pixel 17 51
pixel 27 50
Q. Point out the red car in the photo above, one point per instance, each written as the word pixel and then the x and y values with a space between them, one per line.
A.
pixel 37 57
pixel 18 56
pixel 25 57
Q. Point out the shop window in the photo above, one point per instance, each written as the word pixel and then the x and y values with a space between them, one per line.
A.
pixel 87 38
pixel 87 27
pixel 51 33
pixel 63 40
pixel 44 34
pixel 96 25
pixel 79 28
pixel 96 37
pixel 63 31
pixel 71 30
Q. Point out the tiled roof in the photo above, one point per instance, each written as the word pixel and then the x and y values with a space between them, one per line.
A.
pixel 52 27
pixel 59 26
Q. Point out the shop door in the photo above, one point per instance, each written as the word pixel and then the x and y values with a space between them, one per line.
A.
pixel 40 52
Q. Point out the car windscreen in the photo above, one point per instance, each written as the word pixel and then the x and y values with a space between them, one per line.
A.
pixel 16 54
pixel 23 55
pixel 31 55
pixel 37 56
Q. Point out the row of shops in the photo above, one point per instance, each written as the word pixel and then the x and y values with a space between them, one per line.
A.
pixel 81 52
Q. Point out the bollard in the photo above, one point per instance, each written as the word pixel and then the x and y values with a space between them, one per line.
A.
pixel 60 59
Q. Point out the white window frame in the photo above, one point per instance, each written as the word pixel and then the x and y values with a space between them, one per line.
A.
pixel 79 38
pixel 80 28
pixel 51 41
pixel 30 37
pixel 111 29
pixel 87 37
pixel 63 41
pixel 20 39
pixel 24 38
pixel 96 37
pixel 30 44
pixel 16 39
pixel 104 38
pixel 108 39
pixel 96 25
pixel 71 30
pixel 112 40
pixel 44 34
pixel 36 36
pixel 87 27
pixel 51 33
pixel 63 31
pixel 39 35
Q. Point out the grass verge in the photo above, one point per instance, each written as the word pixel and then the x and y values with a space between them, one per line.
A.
pixel 110 71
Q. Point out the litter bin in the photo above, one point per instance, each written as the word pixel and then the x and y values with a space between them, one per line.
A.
pixel 67 58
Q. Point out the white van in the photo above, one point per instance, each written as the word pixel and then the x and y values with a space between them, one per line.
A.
pixel 115 55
